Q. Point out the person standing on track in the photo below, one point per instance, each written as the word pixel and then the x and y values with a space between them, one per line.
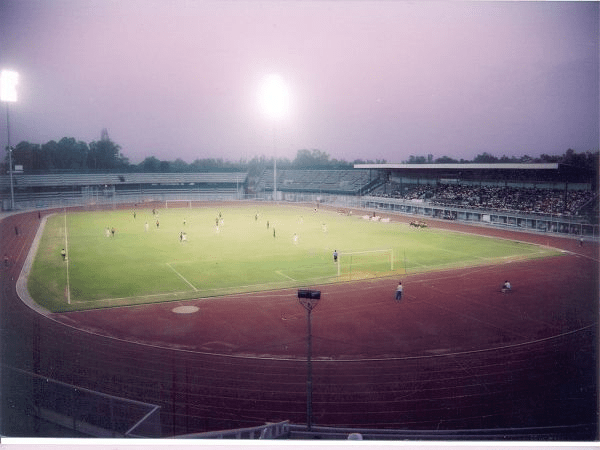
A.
pixel 399 291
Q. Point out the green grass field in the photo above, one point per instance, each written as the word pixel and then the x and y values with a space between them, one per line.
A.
pixel 240 255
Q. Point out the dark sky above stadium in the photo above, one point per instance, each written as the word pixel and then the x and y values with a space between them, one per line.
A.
pixel 366 79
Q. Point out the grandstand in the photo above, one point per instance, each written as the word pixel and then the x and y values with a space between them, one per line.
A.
pixel 548 198
pixel 348 182
pixel 68 189
pixel 538 197
pixel 543 175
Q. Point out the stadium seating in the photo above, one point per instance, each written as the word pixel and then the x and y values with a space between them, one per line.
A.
pixel 328 181
pixel 501 198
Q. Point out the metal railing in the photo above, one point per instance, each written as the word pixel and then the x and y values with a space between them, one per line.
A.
pixel 77 411
pixel 572 226
pixel 280 430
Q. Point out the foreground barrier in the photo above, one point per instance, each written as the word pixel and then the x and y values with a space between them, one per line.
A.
pixel 75 411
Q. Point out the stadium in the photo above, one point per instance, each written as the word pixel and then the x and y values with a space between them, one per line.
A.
pixel 321 357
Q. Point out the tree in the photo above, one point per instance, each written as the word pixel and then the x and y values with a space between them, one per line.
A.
pixel 68 154
pixel 306 159
pixel 165 166
pixel 550 158
pixel 48 154
pixel 179 166
pixel 446 160
pixel 587 160
pixel 485 158
pixel 27 155
pixel 105 154
pixel 416 159
pixel 257 165
pixel 151 164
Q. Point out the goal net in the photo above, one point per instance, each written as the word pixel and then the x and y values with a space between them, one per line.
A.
pixel 366 264
pixel 178 204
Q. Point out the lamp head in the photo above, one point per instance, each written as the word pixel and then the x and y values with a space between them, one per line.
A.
pixel 274 97
pixel 8 85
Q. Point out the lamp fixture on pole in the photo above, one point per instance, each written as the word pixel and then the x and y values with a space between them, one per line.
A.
pixel 308 299
pixel 274 101
pixel 8 94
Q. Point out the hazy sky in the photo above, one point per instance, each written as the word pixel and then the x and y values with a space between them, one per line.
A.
pixel 371 80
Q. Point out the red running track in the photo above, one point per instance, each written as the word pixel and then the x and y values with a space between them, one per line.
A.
pixel 455 354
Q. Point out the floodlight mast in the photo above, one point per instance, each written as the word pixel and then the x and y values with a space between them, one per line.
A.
pixel 274 167
pixel 10 164
pixel 274 100
pixel 8 94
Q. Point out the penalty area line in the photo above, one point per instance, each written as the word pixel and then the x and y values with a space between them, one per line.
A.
pixel 68 287
pixel 181 276
pixel 279 272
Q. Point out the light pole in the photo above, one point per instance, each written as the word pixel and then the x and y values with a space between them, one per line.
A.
pixel 274 101
pixel 8 94
pixel 308 299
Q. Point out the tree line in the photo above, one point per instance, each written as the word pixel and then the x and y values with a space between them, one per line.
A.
pixel 104 155
pixel 69 154
pixel 586 160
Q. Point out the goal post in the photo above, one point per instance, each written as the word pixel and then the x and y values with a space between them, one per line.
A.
pixel 366 263
pixel 178 204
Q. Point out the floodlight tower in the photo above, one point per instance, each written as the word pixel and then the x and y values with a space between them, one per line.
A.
pixel 8 94
pixel 274 101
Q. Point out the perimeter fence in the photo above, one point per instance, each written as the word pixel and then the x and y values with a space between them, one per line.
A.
pixel 563 225
pixel 61 409
pixel 572 226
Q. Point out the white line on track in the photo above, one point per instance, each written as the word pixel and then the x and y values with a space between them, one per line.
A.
pixel 181 276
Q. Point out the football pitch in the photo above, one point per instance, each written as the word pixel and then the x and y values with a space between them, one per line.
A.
pixel 186 253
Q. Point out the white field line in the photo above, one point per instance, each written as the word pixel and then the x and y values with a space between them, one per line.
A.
pixel 67 258
pixel 181 276
pixel 363 252
pixel 279 272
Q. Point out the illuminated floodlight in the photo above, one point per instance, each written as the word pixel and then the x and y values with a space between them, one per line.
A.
pixel 274 97
pixel 8 85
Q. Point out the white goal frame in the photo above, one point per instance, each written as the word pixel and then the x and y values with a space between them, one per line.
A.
pixel 343 255
pixel 187 203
